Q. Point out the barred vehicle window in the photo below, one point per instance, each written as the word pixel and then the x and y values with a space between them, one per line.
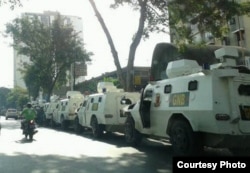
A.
pixel 244 90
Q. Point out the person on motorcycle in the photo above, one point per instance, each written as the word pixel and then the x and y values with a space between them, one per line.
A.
pixel 29 114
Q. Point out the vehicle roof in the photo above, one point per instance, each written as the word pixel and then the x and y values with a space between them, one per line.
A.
pixel 11 109
pixel 165 52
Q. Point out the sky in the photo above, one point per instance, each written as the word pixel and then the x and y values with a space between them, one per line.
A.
pixel 122 24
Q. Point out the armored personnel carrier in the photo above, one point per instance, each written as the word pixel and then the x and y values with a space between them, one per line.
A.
pixel 196 98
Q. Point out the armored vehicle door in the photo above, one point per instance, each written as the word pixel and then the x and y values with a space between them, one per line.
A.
pixel 242 102
pixel 146 99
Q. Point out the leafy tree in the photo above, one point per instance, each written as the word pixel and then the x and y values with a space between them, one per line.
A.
pixel 113 80
pixel 153 17
pixel 17 98
pixel 208 16
pixel 156 15
pixel 33 82
pixel 3 97
pixel 11 3
pixel 13 98
pixel 51 49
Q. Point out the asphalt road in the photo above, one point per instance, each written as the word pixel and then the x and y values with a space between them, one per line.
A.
pixel 55 151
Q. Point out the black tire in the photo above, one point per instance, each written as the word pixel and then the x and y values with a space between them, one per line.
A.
pixel 77 126
pixel 97 129
pixel 43 121
pixel 46 122
pixel 52 123
pixel 184 141
pixel 31 136
pixel 64 125
pixel 132 136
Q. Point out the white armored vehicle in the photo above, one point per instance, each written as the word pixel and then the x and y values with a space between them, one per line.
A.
pixel 64 114
pixel 197 98
pixel 102 111
pixel 49 108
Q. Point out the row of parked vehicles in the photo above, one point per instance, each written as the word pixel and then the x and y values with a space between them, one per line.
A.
pixel 197 98
pixel 100 112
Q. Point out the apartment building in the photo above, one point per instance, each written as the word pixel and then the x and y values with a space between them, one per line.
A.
pixel 239 34
pixel 47 18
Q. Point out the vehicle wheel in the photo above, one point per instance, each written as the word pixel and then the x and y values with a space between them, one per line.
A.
pixel 30 136
pixel 132 136
pixel 52 123
pixel 64 124
pixel 46 122
pixel 184 140
pixel 97 130
pixel 77 126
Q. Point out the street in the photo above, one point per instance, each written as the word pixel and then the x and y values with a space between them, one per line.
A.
pixel 55 151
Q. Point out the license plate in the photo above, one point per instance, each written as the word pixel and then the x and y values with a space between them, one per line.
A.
pixel 32 125
pixel 179 99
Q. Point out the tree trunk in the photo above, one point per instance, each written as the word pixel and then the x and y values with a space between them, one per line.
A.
pixel 111 43
pixel 134 45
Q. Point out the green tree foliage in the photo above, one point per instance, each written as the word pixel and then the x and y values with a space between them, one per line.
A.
pixel 12 3
pixel 208 16
pixel 88 87
pixel 153 14
pixel 32 81
pixel 13 98
pixel 157 15
pixel 51 49
pixel 153 17
pixel 3 97
pixel 113 80
pixel 17 98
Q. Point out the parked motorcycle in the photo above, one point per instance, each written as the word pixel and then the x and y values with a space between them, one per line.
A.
pixel 29 129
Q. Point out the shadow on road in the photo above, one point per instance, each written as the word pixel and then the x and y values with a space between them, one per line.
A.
pixel 61 164
pixel 151 156
pixel 150 146
pixel 24 141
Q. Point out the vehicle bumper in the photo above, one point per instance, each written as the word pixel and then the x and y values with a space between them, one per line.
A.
pixel 12 116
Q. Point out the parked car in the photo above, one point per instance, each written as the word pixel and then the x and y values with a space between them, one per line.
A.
pixel 49 108
pixel 11 113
